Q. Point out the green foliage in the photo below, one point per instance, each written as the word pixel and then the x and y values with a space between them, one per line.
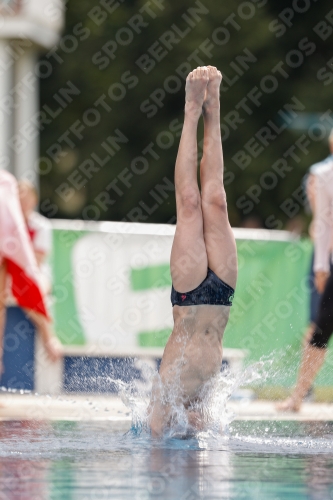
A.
pixel 126 85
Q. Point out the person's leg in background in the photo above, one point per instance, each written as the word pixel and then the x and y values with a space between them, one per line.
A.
pixel 52 345
pixel 315 298
pixel 314 352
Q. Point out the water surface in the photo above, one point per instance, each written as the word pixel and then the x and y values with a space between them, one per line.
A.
pixel 91 460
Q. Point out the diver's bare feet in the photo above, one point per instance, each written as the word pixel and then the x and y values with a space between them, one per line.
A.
pixel 289 404
pixel 195 88
pixel 212 97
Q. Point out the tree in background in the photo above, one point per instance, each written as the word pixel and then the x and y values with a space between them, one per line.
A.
pixel 112 98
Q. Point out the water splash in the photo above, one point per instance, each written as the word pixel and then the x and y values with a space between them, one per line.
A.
pixel 222 433
pixel 211 403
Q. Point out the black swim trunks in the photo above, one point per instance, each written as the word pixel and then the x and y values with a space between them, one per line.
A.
pixel 211 291
pixel 324 321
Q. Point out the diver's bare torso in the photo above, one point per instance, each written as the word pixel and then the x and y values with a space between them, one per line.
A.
pixel 193 354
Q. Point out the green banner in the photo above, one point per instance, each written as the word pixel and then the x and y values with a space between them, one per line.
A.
pixel 150 277
pixel 268 318
pixel 271 299
pixel 67 322
pixel 270 311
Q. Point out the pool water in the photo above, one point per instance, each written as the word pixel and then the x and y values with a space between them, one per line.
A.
pixel 94 460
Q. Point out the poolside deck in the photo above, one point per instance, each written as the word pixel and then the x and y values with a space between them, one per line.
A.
pixel 110 408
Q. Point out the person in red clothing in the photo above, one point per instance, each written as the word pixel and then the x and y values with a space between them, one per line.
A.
pixel 18 263
pixel 39 229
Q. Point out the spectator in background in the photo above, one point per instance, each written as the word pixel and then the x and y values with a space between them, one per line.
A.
pixel 310 185
pixel 18 262
pixel 319 190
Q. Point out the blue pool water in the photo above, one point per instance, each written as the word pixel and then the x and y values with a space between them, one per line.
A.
pixel 93 460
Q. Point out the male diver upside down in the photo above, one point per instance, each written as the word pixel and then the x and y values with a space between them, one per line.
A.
pixel 203 262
